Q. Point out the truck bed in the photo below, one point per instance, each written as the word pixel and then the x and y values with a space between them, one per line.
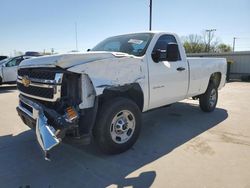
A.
pixel 200 71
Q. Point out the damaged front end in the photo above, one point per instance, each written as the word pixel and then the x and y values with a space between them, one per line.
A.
pixel 49 103
pixel 46 135
pixel 41 118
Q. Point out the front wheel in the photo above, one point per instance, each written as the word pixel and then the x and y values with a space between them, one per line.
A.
pixel 209 99
pixel 118 125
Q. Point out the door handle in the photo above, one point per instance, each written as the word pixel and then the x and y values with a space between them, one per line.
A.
pixel 180 69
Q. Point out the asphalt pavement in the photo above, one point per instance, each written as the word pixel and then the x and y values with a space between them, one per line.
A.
pixel 179 146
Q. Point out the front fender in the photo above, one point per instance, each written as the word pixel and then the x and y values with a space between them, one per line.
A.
pixel 112 72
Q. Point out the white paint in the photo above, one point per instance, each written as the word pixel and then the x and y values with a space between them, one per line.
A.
pixel 70 59
pixel 88 93
pixel 161 83
pixel 8 70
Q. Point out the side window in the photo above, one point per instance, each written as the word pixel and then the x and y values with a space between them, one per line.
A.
pixel 162 43
pixel 14 62
pixel 11 63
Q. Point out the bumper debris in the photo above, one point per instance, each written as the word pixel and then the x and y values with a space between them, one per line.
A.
pixel 37 116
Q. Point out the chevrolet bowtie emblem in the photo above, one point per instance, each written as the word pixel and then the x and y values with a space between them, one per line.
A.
pixel 26 81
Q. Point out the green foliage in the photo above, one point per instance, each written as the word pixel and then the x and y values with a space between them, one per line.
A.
pixel 194 44
pixel 194 47
pixel 199 44
pixel 223 48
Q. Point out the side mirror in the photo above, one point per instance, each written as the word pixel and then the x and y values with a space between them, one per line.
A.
pixel 88 50
pixel 172 52
pixel 156 55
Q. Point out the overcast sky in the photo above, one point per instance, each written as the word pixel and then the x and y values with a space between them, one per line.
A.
pixel 35 25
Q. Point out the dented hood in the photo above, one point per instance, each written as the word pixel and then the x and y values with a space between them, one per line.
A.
pixel 103 68
pixel 71 59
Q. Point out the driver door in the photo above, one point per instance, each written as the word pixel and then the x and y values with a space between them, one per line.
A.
pixel 167 83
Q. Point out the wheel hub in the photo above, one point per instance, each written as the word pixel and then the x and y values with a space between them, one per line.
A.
pixel 213 98
pixel 122 126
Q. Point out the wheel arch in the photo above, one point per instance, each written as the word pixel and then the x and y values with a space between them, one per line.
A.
pixel 131 91
pixel 215 78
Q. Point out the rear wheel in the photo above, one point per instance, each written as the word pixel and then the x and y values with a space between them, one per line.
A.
pixel 209 99
pixel 118 125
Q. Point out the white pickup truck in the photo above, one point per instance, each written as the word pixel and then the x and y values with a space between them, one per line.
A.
pixel 104 91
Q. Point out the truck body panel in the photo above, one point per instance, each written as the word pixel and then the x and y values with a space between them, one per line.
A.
pixel 201 70
pixel 76 84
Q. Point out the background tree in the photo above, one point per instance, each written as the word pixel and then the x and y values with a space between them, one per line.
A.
pixel 209 40
pixel 194 43
pixel 223 48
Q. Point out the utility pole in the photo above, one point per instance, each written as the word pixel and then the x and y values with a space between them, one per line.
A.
pixel 76 36
pixel 150 15
pixel 234 43
pixel 209 31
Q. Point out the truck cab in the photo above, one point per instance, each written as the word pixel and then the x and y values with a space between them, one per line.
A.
pixel 166 75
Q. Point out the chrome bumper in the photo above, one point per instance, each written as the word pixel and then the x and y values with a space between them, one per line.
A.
pixel 45 133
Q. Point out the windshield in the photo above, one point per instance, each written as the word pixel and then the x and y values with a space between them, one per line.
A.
pixel 134 44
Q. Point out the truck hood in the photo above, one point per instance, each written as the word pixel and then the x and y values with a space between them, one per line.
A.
pixel 105 69
pixel 70 59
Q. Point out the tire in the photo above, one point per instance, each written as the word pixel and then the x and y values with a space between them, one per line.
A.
pixel 118 125
pixel 209 99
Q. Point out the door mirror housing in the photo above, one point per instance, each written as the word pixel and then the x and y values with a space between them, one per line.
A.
pixel 158 55
pixel 173 52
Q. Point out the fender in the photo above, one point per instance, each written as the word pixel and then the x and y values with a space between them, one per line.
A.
pixel 104 74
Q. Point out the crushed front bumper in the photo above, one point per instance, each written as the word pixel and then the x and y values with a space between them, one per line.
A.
pixel 33 115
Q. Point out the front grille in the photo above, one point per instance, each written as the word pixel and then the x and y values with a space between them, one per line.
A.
pixel 36 91
pixel 37 73
pixel 40 83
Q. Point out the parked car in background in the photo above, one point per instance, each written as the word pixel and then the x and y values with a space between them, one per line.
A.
pixel 31 53
pixel 3 57
pixel 8 69
pixel 4 60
